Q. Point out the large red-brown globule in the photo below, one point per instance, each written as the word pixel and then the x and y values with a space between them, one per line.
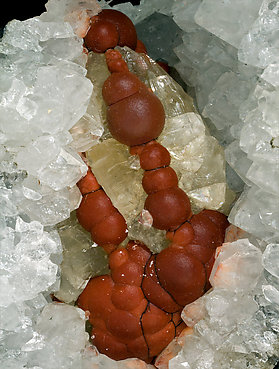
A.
pixel 136 119
pixel 169 208
pixel 108 29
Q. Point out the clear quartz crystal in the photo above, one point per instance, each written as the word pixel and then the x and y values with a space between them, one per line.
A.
pixel 230 29
pixel 52 343
pixel 238 266
pixel 44 92
pixel 270 259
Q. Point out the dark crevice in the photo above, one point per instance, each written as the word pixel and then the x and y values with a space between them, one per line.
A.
pixel 150 170
pixel 145 310
pixel 123 98
pixel 206 276
pixel 144 274
pixel 88 193
pixel 176 326
pixel 186 221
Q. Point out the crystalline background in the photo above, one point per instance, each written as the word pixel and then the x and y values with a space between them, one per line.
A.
pixel 232 68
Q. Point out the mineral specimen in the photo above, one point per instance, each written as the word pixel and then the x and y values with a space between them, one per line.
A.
pixel 232 66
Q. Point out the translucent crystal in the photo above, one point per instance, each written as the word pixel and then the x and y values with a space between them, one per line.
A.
pixel 26 261
pixel 212 15
pixel 60 10
pixel 110 164
pixel 155 239
pixel 162 31
pixel 50 207
pixel 259 46
pixel 146 218
pixel 198 160
pixel 66 170
pixel 270 259
pixel 173 97
pixel 210 197
pixel 271 293
pixel 38 154
pixel 54 345
pixel 97 72
pixel 238 160
pixel 82 259
pixel 251 213
pixel 271 74
pixel 181 130
pixel 183 14
pixel 194 312
pixel 223 102
pixel 146 8
pixel 238 266
pixel 226 309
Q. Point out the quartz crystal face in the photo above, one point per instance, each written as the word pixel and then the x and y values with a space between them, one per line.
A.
pixel 229 58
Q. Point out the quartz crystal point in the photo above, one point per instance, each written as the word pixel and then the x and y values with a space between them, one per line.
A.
pixel 44 92
pixel 229 56
pixel 230 29
pixel 238 266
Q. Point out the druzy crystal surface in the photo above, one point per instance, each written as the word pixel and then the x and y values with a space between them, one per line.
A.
pixel 50 110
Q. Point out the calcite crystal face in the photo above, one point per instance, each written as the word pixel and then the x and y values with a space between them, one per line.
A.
pixel 50 110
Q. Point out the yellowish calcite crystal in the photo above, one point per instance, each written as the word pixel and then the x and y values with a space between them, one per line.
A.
pixel 120 178
pixel 82 259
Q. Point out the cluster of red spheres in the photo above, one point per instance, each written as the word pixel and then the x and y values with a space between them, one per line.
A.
pixel 135 311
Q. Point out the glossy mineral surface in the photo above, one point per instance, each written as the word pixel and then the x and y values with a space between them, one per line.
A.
pixel 38 107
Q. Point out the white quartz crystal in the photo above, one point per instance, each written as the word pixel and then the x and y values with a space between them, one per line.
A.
pixel 50 111
pixel 259 47
pixel 230 29
pixel 44 92
pixel 238 266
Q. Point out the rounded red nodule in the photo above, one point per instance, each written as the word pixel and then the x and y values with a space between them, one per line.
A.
pixel 169 208
pixel 88 183
pixel 181 274
pixel 111 230
pixel 154 156
pixel 137 119
pixel 125 28
pixel 101 36
pixel 183 235
pixel 119 86
pixel 207 233
pixel 159 179
pixel 140 48
pixel 115 62
pixel 93 208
